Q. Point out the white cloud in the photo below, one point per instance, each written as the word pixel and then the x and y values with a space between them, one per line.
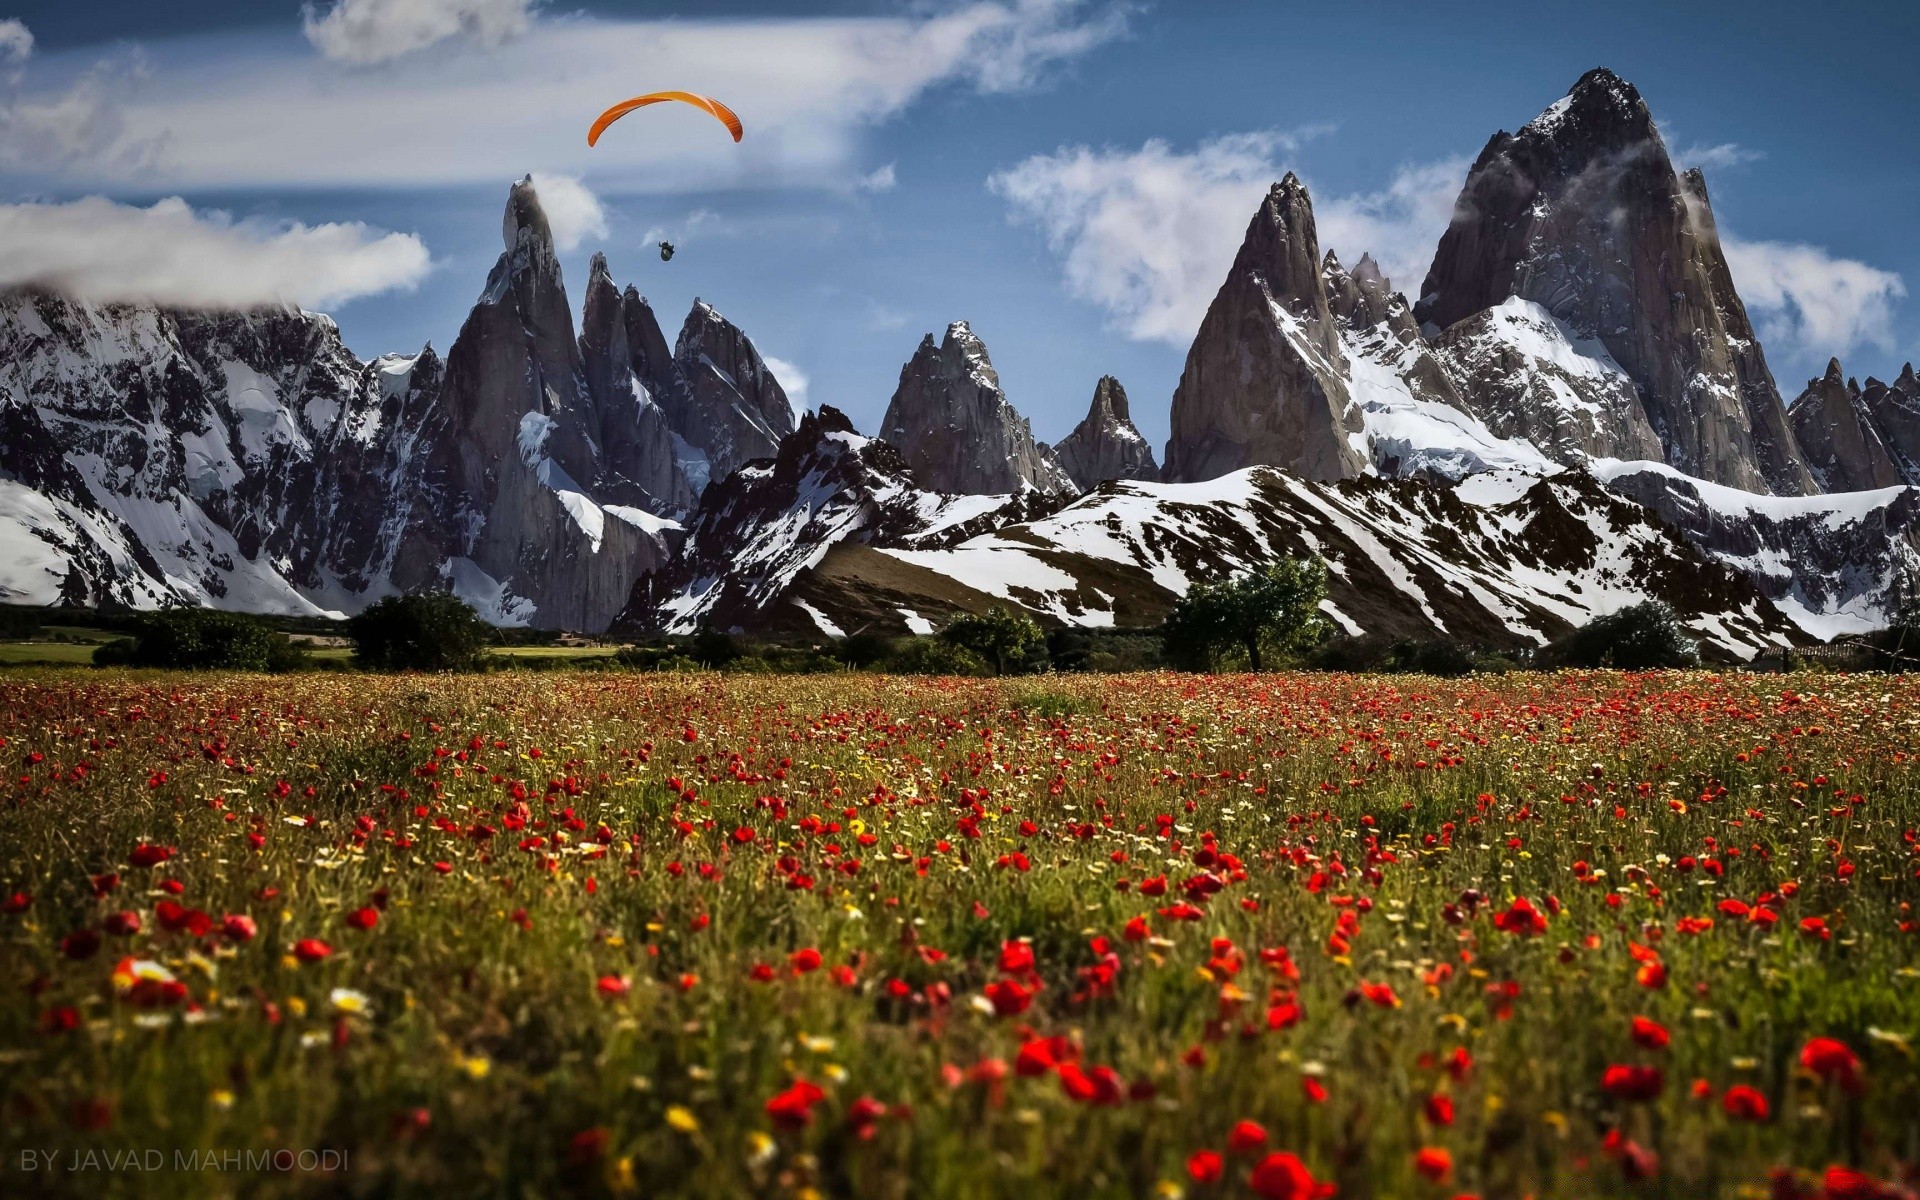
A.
pixel 375 31
pixel 1716 157
pixel 1811 302
pixel 1399 225
pixel 1148 234
pixel 234 113
pixel 81 124
pixel 172 255
pixel 573 212
pixel 792 380
pixel 882 180
pixel 16 42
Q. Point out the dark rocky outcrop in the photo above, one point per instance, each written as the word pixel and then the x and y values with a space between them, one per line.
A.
pixel 640 460
pixel 1839 436
pixel 1266 379
pixel 951 420
pixel 734 410
pixel 1105 445
pixel 1582 213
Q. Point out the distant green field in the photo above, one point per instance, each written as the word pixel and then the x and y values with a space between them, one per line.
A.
pixel 81 652
pixel 15 653
pixel 557 651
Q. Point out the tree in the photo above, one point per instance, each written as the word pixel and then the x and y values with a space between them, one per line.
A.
pixel 193 639
pixel 1643 637
pixel 1277 608
pixel 998 635
pixel 432 631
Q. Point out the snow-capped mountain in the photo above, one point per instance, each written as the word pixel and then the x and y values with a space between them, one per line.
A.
pixel 833 537
pixel 1582 213
pixel 1575 415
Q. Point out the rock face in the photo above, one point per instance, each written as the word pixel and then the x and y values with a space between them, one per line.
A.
pixel 1895 411
pixel 1839 436
pixel 506 515
pixel 952 421
pixel 1837 564
pixel 1530 376
pixel 245 460
pixel 640 458
pixel 734 409
pixel 1266 378
pixel 1105 445
pixel 1582 214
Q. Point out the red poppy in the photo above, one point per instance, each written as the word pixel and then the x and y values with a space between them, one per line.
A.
pixel 1009 997
pixel 1439 1109
pixel 1245 1137
pixel 612 986
pixel 311 950
pixel 1281 1176
pixel 148 855
pixel 862 1115
pixel 80 944
pixel 1833 1062
pixel 238 927
pixel 122 924
pixel 793 1108
pixel 1744 1103
pixel 363 918
pixel 1631 1082
pixel 1313 1089
pixel 1650 1034
pixel 1433 1163
pixel 1521 919
pixel 1016 957
pixel 804 960
pixel 1205 1166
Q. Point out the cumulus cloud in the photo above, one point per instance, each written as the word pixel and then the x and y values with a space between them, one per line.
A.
pixel 375 31
pixel 1811 301
pixel 1148 234
pixel 81 123
pixel 1400 224
pixel 1716 157
pixel 255 113
pixel 882 180
pixel 573 212
pixel 16 42
pixel 793 381
pixel 170 254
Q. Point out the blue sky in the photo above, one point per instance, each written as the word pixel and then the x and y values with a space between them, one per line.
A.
pixel 1071 176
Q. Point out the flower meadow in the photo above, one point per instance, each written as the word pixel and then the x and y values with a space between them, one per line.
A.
pixel 1281 936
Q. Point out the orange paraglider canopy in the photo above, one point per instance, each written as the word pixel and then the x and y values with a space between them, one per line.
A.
pixel 721 112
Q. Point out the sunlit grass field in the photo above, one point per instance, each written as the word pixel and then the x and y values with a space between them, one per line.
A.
pixel 688 934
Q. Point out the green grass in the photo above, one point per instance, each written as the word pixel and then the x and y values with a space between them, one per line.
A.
pixel 18 653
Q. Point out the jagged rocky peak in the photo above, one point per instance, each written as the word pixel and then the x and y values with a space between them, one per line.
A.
pixel 1850 435
pixel 1364 297
pixel 1894 409
pixel 1266 377
pixel 735 410
pixel 1106 445
pixel 953 422
pixel 1582 214
pixel 640 458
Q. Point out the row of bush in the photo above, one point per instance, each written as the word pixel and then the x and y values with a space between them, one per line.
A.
pixel 1247 622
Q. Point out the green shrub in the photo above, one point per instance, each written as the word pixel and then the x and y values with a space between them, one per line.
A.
pixel 1644 637
pixel 432 631
pixel 935 656
pixel 999 636
pixel 1275 611
pixel 198 639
